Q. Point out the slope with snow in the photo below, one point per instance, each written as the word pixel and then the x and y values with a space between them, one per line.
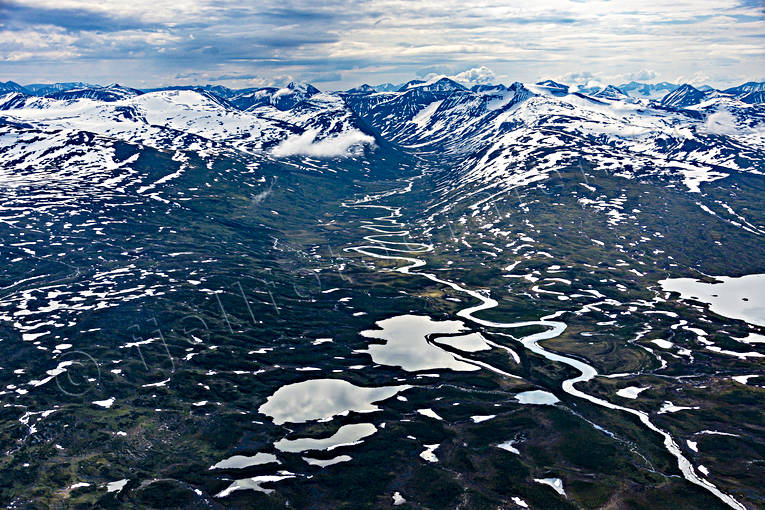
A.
pixel 520 135
pixel 685 95
pixel 179 119
pixel 498 135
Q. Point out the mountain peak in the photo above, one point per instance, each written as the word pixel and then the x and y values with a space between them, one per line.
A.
pixel 437 84
pixel 305 88
pixel 685 95
pixel 746 88
pixel 647 90
pixel 12 86
pixel 410 84
pixel 611 92
pixel 446 84
pixel 289 96
pixel 486 87
pixel 553 85
pixel 362 89
pixel 110 93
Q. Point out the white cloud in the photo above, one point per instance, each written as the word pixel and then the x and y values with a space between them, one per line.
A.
pixel 477 75
pixel 576 78
pixel 233 79
pixel 600 79
pixel 696 79
pixel 721 123
pixel 345 144
pixel 641 76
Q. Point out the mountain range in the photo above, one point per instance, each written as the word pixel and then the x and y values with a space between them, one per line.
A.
pixel 488 130
pixel 634 89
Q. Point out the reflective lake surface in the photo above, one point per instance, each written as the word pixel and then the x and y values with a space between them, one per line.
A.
pixel 317 399
pixel 345 436
pixel 741 298
pixel 406 343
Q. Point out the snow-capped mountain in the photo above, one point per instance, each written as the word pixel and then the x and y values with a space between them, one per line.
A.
pixel 746 88
pixel 633 89
pixel 757 97
pixel 751 92
pixel 433 114
pixel 109 93
pixel 42 89
pixel 522 134
pixel 486 87
pixel 611 92
pixel 361 89
pixel 10 86
pixel 294 93
pixel 218 90
pixel 647 90
pixel 387 87
pixel 438 84
pixel 685 95
pixel 37 132
pixel 554 88
pixel 282 98
pixel 250 98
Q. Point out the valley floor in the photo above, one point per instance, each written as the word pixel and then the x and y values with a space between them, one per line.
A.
pixel 385 339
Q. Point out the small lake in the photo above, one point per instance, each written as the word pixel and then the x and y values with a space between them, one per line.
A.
pixel 406 343
pixel 740 298
pixel 318 399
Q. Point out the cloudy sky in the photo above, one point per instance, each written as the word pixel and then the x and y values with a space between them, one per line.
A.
pixel 342 43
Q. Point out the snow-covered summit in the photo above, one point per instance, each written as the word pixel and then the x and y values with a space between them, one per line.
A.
pixel 647 90
pixel 361 89
pixel 553 87
pixel 685 95
pixel 109 93
pixel 436 84
pixel 611 92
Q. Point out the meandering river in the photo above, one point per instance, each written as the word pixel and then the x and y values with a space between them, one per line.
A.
pixel 388 242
